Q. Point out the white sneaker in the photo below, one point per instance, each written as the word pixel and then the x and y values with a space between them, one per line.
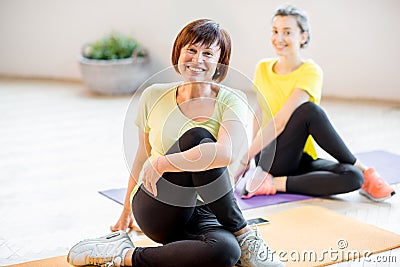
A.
pixel 107 251
pixel 256 253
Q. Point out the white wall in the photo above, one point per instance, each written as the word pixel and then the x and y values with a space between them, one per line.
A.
pixel 355 41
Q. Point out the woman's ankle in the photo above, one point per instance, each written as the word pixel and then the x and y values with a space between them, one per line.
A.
pixel 128 257
pixel 242 231
pixel 360 165
pixel 280 183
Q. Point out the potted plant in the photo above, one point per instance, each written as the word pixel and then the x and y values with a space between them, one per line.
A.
pixel 113 65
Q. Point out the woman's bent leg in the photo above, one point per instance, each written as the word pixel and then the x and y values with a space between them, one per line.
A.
pixel 212 185
pixel 216 191
pixel 217 248
pixel 285 157
pixel 323 178
pixel 161 222
pixel 167 222
pixel 186 234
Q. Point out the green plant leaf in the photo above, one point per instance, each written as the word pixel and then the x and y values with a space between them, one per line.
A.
pixel 112 46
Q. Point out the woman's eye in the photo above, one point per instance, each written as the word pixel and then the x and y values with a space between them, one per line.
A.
pixel 274 32
pixel 208 54
pixel 192 50
pixel 287 33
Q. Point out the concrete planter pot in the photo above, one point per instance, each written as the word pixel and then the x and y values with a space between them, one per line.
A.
pixel 114 77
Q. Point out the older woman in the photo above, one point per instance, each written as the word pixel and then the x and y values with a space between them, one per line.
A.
pixel 189 132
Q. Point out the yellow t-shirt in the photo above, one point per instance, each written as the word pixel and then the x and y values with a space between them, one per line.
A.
pixel 159 116
pixel 273 90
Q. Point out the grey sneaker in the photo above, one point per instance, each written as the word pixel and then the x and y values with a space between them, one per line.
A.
pixel 105 251
pixel 256 253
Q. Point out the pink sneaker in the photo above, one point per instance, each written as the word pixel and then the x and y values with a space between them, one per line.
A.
pixel 374 187
pixel 259 184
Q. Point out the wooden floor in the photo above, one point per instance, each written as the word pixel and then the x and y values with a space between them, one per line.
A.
pixel 60 145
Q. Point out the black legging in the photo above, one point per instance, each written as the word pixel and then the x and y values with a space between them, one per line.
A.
pixel 285 156
pixel 192 233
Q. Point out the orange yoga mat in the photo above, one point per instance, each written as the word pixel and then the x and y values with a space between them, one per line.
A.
pixel 304 236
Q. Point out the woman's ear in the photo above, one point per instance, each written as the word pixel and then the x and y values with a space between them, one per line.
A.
pixel 217 72
pixel 303 38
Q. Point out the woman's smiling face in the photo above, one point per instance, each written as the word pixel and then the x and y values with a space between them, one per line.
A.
pixel 198 63
pixel 286 36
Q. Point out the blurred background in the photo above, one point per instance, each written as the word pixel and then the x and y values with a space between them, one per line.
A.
pixel 356 42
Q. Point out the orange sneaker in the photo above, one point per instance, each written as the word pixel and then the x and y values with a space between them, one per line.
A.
pixel 259 184
pixel 374 187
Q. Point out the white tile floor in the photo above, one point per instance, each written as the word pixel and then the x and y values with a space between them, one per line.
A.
pixel 60 145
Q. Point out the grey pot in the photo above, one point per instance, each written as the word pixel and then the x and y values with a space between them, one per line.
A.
pixel 114 77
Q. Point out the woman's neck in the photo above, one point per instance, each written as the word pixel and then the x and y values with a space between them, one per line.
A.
pixel 194 90
pixel 286 65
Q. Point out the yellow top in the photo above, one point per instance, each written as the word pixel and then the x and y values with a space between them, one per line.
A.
pixel 273 90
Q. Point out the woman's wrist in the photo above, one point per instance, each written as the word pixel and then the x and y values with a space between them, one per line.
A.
pixel 159 165
pixel 245 160
pixel 127 209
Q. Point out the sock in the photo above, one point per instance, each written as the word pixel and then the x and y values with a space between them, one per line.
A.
pixel 239 238
pixel 123 254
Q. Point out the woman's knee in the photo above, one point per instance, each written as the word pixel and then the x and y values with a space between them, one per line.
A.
pixel 356 178
pixel 225 251
pixel 191 138
pixel 198 135
pixel 310 113
pixel 353 178
pixel 310 108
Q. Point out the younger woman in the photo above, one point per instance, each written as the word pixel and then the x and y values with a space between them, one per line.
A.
pixel 289 92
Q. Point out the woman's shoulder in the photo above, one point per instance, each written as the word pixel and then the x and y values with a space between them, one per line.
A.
pixel 229 94
pixel 158 89
pixel 266 62
pixel 311 65
pixel 161 87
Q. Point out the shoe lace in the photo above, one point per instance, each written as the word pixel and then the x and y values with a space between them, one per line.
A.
pixel 109 264
pixel 103 262
pixel 255 245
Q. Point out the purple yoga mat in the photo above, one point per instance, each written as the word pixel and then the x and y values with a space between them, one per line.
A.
pixel 386 163
pixel 118 195
pixel 259 201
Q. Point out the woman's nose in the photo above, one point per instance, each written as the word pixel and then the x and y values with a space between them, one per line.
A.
pixel 197 57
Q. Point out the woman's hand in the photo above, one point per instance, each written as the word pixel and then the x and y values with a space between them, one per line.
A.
pixel 125 221
pixel 151 175
pixel 241 171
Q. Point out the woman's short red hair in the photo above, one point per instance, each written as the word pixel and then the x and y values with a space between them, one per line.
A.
pixel 205 32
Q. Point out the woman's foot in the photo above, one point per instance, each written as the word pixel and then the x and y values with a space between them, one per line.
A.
pixel 374 187
pixel 109 250
pixel 259 184
pixel 255 252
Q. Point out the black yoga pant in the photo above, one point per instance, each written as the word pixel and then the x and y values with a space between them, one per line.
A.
pixel 320 177
pixel 193 232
